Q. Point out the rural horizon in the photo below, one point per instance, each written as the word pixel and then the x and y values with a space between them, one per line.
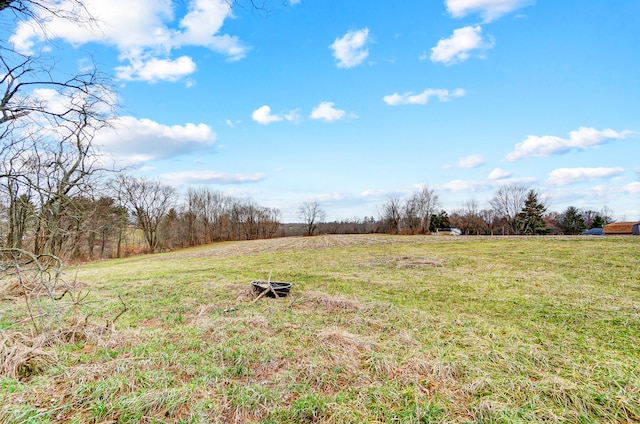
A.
pixel 353 105
pixel 297 211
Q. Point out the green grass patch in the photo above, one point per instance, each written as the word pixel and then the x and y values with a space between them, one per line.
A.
pixel 376 329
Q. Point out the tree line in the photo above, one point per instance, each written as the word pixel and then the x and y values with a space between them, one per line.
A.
pixel 131 215
pixel 514 209
pixel 126 215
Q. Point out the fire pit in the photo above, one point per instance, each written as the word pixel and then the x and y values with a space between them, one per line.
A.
pixel 280 288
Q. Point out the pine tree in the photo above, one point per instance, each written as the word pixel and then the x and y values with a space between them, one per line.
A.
pixel 530 219
pixel 572 221
pixel 598 222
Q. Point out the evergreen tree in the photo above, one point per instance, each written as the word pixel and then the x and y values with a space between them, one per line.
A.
pixel 530 219
pixel 440 220
pixel 572 221
pixel 598 222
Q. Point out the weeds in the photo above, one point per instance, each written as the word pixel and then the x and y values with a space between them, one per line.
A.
pixel 52 313
pixel 376 329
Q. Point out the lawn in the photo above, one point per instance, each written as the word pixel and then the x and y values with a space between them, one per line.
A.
pixel 377 329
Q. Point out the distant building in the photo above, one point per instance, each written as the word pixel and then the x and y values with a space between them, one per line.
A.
pixel 450 231
pixel 622 229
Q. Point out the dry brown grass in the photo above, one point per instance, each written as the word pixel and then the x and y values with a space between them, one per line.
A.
pixel 376 329
pixel 23 356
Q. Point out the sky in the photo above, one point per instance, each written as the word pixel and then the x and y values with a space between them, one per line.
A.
pixel 352 102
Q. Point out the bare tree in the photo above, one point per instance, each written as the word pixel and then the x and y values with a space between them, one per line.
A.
pixel 391 215
pixel 428 202
pixel 411 215
pixel 149 202
pixel 47 125
pixel 508 202
pixel 50 159
pixel 311 214
pixel 468 218
pixel 268 222
pixel 489 220
pixel 40 10
pixel 208 209
pixel 607 214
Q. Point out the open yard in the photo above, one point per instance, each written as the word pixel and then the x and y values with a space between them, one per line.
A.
pixel 377 329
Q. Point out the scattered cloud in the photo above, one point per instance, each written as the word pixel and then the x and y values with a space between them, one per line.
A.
pixel 326 111
pixel 467 162
pixel 633 188
pixel 564 176
pixel 132 141
pixel 155 70
pixel 144 32
pixel 59 102
pixel 581 139
pixel 472 186
pixel 410 98
pixel 375 194
pixel 459 46
pixel 499 174
pixel 210 177
pixel 490 10
pixel 466 185
pixel 329 198
pixel 263 116
pixel 292 116
pixel 350 50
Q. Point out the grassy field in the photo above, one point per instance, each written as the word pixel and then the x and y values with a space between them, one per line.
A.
pixel 377 329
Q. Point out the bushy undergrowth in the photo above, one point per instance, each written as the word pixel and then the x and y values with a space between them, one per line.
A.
pixel 377 329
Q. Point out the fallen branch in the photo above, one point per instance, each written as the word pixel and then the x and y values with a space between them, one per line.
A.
pixel 110 325
pixel 268 289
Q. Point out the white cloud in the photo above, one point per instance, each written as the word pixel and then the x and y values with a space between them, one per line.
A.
pixel 142 31
pixel 292 116
pixel 488 9
pixel 465 185
pixel 457 48
pixel 210 177
pixel 633 188
pixel 155 70
pixel 263 116
pixel 61 102
pixel 350 50
pixel 480 185
pixel 467 162
pixel 375 194
pixel 135 141
pixel 410 98
pixel 294 2
pixel 230 123
pixel 581 139
pixel 564 176
pixel 472 161
pixel 499 174
pixel 326 111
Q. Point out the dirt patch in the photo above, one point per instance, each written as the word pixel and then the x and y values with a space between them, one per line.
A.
pixel 418 264
pixel 320 300
pixel 298 244
pixel 151 323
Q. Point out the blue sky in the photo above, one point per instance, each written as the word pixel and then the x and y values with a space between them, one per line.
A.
pixel 351 102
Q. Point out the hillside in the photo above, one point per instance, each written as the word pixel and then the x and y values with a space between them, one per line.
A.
pixel 377 329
